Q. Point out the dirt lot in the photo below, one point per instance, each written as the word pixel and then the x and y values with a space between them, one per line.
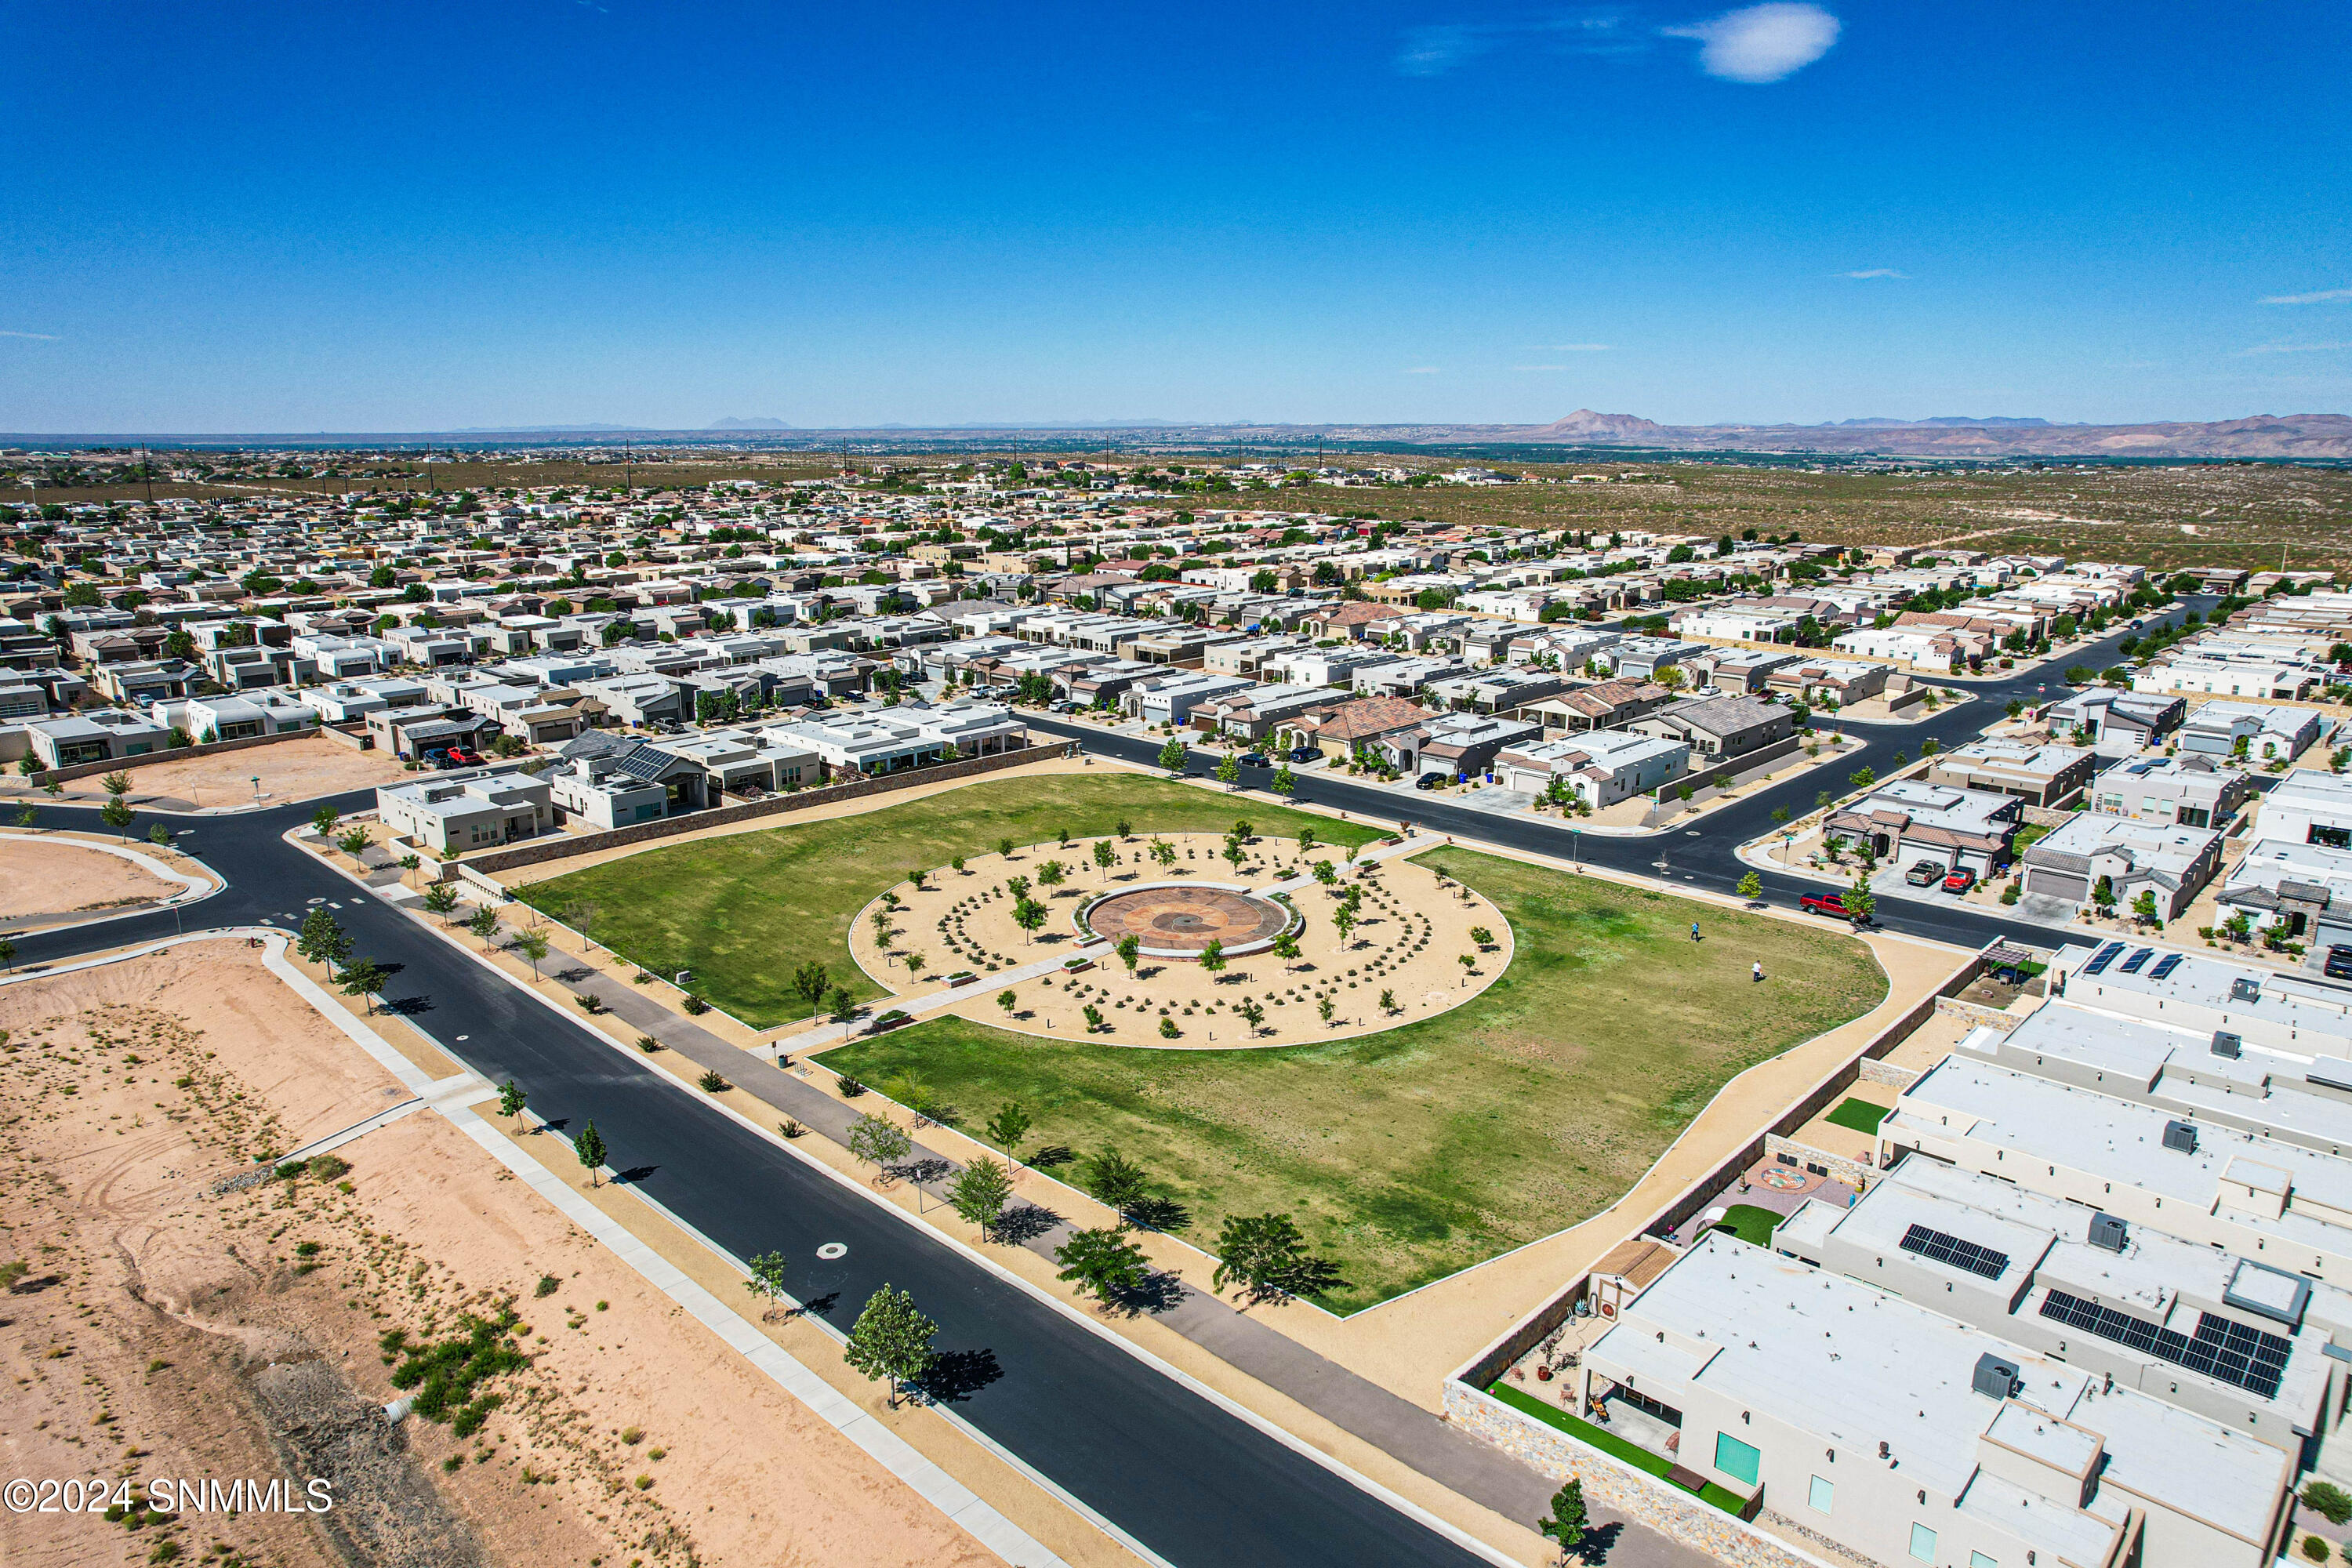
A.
pixel 289 770
pixel 58 877
pixel 168 1326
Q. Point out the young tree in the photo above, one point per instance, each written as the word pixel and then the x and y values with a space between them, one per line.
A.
pixel 160 837
pixel 1482 936
pixel 878 1140
pixel 1008 1127
pixel 590 1147
pixel 767 1281
pixel 117 783
pixel 1324 1006
pixel 511 1098
pixel 1163 853
pixel 353 842
pixel 1051 873
pixel 892 1339
pixel 320 937
pixel 1751 886
pixel 1285 783
pixel 1250 1014
pixel 532 945
pixel 1326 873
pixel 1388 1002
pixel 1009 1001
pixel 1101 1263
pixel 1172 756
pixel 1229 770
pixel 1212 957
pixel 1029 914
pixel 914 961
pixel 440 899
pixel 1266 1256
pixel 1105 856
pixel 1860 900
pixel 1004 847
pixel 1343 920
pixel 1285 948
pixel 364 979
pixel 116 815
pixel 484 923
pixel 1129 949
pixel 810 983
pixel 980 1193
pixel 324 820
pixel 2143 908
pixel 1116 1179
pixel 1307 840
pixel 1568 1523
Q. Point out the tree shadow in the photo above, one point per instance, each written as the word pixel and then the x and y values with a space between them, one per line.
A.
pixel 929 1168
pixel 1156 1294
pixel 1598 1540
pixel 633 1173
pixel 957 1375
pixel 555 1123
pixel 816 1306
pixel 1021 1226
pixel 408 1006
pixel 1051 1156
pixel 577 971
pixel 1158 1214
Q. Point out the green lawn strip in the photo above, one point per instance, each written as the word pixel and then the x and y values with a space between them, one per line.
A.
pixel 1860 1116
pixel 744 910
pixel 1408 1154
pixel 1611 1444
pixel 1751 1225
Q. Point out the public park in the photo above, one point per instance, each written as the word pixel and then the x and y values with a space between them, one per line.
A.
pixel 1418 1100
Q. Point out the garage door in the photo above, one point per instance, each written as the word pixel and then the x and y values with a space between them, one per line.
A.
pixel 2057 884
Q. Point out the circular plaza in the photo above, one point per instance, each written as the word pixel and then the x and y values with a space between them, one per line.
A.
pixel 1179 920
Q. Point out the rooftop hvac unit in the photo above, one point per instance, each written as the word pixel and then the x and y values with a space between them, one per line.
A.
pixel 2106 1231
pixel 2243 990
pixel 2180 1135
pixel 2226 1044
pixel 1996 1378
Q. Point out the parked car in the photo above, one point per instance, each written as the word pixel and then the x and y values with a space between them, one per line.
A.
pixel 1303 753
pixel 1960 881
pixel 1254 759
pixel 1430 781
pixel 1924 874
pixel 2340 963
pixel 1830 904
pixel 461 757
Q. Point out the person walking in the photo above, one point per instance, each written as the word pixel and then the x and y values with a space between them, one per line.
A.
pixel 1759 969
pixel 1693 930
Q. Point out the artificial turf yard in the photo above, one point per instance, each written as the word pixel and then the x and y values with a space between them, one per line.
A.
pixel 1407 1155
pixel 744 910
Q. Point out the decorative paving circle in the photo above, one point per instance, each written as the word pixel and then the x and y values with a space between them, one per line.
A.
pixel 1782 1181
pixel 1177 920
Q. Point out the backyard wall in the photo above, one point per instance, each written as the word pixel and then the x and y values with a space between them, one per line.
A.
pixel 562 846
pixel 173 753
pixel 1612 1484
pixel 1859 1174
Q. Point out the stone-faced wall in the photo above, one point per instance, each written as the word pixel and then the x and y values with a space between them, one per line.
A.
pixel 1614 1484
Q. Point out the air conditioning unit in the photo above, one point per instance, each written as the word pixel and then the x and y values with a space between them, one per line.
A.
pixel 2243 990
pixel 2226 1044
pixel 2106 1231
pixel 2180 1135
pixel 1995 1378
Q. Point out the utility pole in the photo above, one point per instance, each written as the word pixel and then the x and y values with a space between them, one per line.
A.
pixel 147 473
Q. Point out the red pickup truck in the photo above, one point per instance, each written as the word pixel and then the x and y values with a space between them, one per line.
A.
pixel 1830 904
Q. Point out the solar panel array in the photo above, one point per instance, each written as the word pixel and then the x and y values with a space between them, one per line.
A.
pixel 2232 1351
pixel 2132 964
pixel 2165 965
pixel 1951 1249
pixel 2106 955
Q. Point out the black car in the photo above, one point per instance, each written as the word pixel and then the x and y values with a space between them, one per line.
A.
pixel 1254 759
pixel 1430 781
pixel 1303 753
pixel 2340 963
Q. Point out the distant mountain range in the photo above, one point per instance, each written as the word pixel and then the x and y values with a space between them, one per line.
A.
pixel 1949 435
pixel 757 422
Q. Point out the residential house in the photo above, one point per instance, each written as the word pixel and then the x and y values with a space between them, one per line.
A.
pixel 1720 730
pixel 1600 768
pixel 2171 860
pixel 2038 773
pixel 1910 820
pixel 455 813
pixel 2192 790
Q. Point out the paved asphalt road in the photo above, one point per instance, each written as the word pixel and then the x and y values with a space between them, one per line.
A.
pixel 1194 1483
pixel 1191 1481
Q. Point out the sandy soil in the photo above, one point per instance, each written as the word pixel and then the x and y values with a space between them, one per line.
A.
pixel 1403 903
pixel 289 770
pixel 46 878
pixel 165 1327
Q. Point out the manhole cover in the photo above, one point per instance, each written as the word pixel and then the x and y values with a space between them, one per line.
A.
pixel 831 1251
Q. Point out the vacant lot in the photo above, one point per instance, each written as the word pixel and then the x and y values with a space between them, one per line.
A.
pixel 1410 1154
pixel 742 912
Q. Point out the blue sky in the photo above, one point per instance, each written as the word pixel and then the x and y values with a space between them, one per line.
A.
pixel 245 218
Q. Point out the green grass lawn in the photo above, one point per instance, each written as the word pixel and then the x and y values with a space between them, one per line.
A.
pixel 1860 1116
pixel 1611 1444
pixel 1407 1155
pixel 743 912
pixel 1751 1225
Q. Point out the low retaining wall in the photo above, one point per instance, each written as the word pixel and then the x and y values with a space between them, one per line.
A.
pixel 1976 1013
pixel 1859 1174
pixel 1885 1073
pixel 1696 1197
pixel 561 847
pixel 173 753
pixel 1614 1484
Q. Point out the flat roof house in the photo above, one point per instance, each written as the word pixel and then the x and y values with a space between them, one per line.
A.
pixel 1600 768
pixel 455 813
pixel 2168 859
pixel 2308 806
pixel 102 735
pixel 2039 774
pixel 2257 731
pixel 1719 729
pixel 2192 790
pixel 1464 745
pixel 1909 820
pixel 2303 890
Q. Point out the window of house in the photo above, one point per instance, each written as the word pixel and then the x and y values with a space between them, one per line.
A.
pixel 1923 1543
pixel 1820 1494
pixel 1978 1560
pixel 1736 1458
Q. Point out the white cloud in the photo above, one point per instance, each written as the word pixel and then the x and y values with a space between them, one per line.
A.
pixel 1761 43
pixel 1422 370
pixel 1434 51
pixel 1875 272
pixel 38 337
pixel 2324 296
pixel 1571 348
pixel 2293 348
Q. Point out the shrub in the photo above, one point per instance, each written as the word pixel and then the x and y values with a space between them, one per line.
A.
pixel 2315 1548
pixel 789 1128
pixel 695 1004
pixel 712 1083
pixel 2328 1501
pixel 851 1088
pixel 548 1285
pixel 326 1167
pixel 632 1435
pixel 647 1044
